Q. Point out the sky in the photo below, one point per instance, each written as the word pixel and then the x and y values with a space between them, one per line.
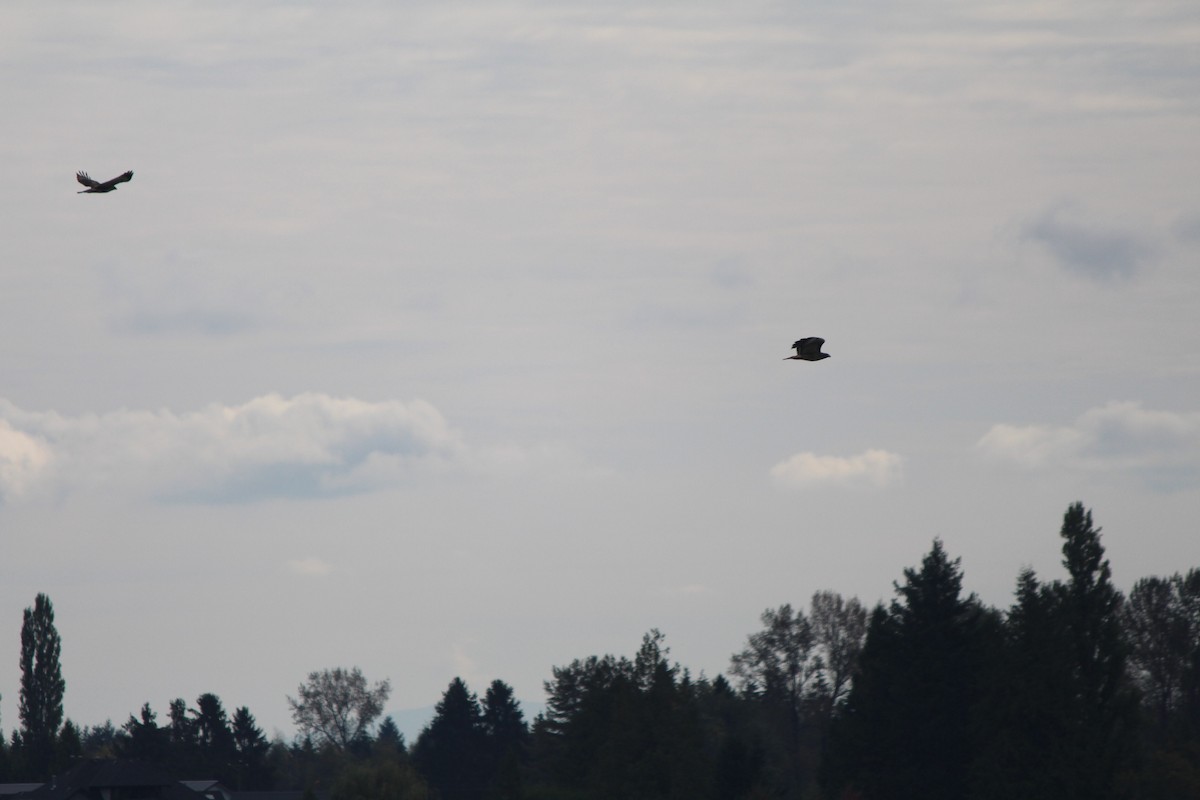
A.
pixel 448 339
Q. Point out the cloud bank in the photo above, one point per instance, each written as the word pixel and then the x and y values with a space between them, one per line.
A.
pixel 1160 448
pixel 873 468
pixel 308 445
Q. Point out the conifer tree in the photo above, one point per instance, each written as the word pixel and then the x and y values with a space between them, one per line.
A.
pixel 908 732
pixel 1103 716
pixel 450 753
pixel 250 746
pixel 389 741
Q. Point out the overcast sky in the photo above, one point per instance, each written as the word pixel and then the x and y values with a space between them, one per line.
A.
pixel 447 338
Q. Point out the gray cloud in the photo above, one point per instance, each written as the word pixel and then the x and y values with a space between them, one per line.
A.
pixel 1160 448
pixel 1087 248
pixel 310 445
pixel 1187 228
pixel 193 321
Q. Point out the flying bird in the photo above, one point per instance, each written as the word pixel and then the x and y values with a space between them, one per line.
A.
pixel 97 186
pixel 808 349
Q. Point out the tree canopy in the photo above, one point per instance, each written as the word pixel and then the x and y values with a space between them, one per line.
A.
pixel 337 706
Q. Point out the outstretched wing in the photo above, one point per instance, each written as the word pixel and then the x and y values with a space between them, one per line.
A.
pixel 809 346
pixel 124 177
pixel 83 178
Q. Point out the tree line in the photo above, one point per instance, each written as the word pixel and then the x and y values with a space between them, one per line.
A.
pixel 1074 691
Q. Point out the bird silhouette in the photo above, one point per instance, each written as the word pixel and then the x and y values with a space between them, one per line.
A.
pixel 808 349
pixel 97 186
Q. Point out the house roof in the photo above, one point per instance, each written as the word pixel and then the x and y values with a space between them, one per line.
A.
pixel 89 777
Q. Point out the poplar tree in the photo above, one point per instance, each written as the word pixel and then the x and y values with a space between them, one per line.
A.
pixel 42 686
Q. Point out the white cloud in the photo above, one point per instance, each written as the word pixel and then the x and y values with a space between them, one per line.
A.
pixel 22 459
pixel 1162 448
pixel 308 445
pixel 309 567
pixel 874 468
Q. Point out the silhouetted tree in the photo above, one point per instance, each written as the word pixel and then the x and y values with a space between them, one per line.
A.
pixel 776 671
pixel 379 780
pixel 337 706
pixel 1104 708
pixel 389 741
pixel 7 775
pixel 16 755
pixel 620 728
pixel 907 733
pixel 505 737
pixel 68 748
pixel 42 687
pixel 214 741
pixel 775 663
pixel 183 727
pixel 450 752
pixel 250 746
pixel 1162 623
pixel 145 740
pixel 839 628
pixel 1026 708
pixel 101 741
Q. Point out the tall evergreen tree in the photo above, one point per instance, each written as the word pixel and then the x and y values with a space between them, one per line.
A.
pixel 250 747
pixel 42 686
pixel 1024 716
pixel 908 733
pixel 389 741
pixel 1104 714
pixel 214 740
pixel 505 736
pixel 503 722
pixel 450 752
pixel 1061 714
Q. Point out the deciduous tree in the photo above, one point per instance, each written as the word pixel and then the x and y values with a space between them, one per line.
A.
pixel 42 686
pixel 337 706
